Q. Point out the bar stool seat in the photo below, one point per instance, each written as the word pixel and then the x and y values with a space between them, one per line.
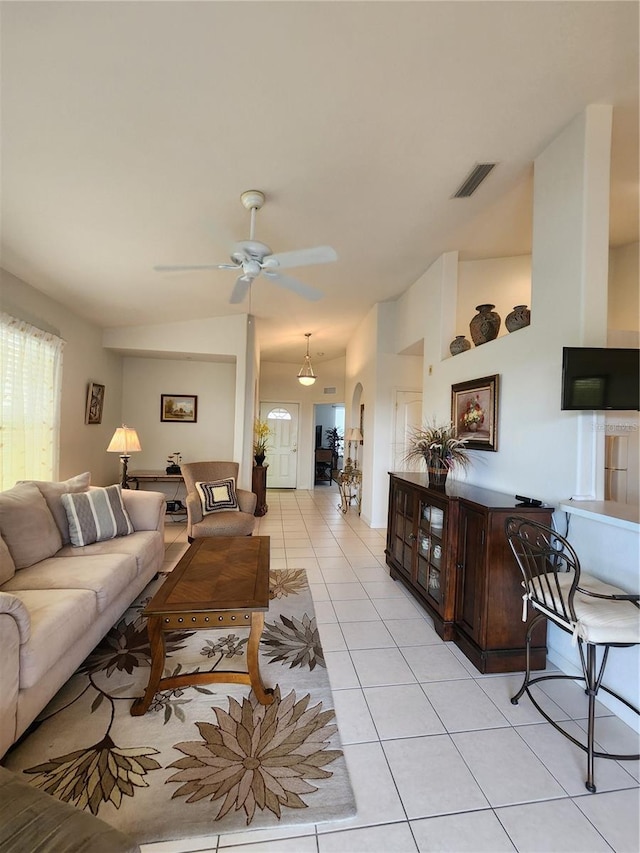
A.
pixel 595 613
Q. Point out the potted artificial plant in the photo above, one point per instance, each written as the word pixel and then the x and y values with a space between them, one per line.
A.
pixel 438 446
pixel 261 433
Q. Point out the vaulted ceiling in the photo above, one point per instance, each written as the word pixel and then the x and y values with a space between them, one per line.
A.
pixel 129 130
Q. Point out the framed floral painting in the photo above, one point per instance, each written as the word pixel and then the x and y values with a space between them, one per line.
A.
pixel 474 412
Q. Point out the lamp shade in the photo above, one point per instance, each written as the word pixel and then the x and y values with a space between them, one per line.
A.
pixel 306 379
pixel 355 434
pixel 124 441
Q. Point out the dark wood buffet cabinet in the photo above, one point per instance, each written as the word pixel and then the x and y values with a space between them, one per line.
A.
pixel 449 548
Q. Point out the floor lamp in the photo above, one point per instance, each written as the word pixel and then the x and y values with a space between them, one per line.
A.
pixel 125 441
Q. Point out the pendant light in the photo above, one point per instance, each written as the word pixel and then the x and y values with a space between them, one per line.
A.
pixel 306 376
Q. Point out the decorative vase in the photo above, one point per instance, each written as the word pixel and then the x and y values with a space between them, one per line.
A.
pixel 459 344
pixel 259 457
pixel 472 427
pixel 437 471
pixel 518 318
pixel 485 325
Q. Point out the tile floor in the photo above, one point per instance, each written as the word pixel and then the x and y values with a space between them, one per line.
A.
pixel 439 758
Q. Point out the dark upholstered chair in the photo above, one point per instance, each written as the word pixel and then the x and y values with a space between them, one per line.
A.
pixel 324 465
pixel 240 522
pixel 593 612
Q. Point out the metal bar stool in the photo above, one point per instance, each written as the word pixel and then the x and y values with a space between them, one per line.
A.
pixel 593 612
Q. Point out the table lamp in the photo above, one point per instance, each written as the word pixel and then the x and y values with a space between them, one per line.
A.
pixel 124 441
pixel 353 435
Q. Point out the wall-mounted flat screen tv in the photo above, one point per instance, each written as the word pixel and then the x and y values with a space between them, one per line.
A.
pixel 598 378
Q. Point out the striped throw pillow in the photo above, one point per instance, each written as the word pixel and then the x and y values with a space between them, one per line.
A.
pixel 96 515
pixel 218 495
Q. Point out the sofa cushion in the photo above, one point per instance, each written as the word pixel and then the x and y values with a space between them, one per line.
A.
pixel 7 566
pixel 224 524
pixel 52 493
pixel 96 515
pixel 106 574
pixel 59 619
pixel 147 546
pixel 27 526
pixel 33 820
pixel 218 495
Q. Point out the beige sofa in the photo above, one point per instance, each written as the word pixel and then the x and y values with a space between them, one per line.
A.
pixel 58 600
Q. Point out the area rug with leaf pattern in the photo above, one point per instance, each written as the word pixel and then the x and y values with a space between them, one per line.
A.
pixel 203 760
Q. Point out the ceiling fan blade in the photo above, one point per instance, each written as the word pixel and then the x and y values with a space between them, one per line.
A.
pixel 240 290
pixel 187 268
pixel 304 290
pixel 304 257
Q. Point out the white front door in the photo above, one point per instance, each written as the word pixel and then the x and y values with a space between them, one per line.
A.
pixel 408 413
pixel 282 453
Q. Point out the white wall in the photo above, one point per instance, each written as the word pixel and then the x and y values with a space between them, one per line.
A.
pixel 624 293
pixel 361 369
pixel 210 438
pixel 82 446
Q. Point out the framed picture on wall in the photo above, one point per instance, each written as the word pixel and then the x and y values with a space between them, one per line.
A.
pixel 95 404
pixel 362 422
pixel 474 412
pixel 179 408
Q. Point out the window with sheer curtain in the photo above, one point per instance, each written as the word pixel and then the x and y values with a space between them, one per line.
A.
pixel 31 371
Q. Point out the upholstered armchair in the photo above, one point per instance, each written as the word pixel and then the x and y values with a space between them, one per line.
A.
pixel 215 508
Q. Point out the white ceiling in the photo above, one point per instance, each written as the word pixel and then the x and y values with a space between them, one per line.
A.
pixel 129 130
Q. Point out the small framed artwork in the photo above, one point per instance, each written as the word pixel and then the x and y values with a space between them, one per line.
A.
pixel 179 408
pixel 95 404
pixel 474 412
pixel 362 422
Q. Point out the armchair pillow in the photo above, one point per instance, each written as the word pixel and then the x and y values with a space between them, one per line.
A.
pixel 96 515
pixel 218 495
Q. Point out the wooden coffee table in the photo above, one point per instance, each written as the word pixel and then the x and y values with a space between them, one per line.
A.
pixel 221 582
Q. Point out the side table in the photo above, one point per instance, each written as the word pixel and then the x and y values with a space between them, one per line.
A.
pixel 350 486
pixel 178 511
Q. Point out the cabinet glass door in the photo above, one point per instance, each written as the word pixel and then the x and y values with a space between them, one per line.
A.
pixel 429 575
pixel 403 522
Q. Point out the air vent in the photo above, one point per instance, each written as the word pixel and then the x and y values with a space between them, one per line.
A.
pixel 330 390
pixel 471 184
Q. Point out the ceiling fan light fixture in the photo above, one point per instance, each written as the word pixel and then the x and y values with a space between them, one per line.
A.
pixel 306 376
pixel 254 257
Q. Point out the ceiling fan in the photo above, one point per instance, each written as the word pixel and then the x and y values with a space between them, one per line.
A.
pixel 253 257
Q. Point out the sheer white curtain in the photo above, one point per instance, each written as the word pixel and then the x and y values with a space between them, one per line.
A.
pixel 31 371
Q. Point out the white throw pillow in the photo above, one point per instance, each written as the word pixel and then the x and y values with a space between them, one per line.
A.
pixel 218 495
